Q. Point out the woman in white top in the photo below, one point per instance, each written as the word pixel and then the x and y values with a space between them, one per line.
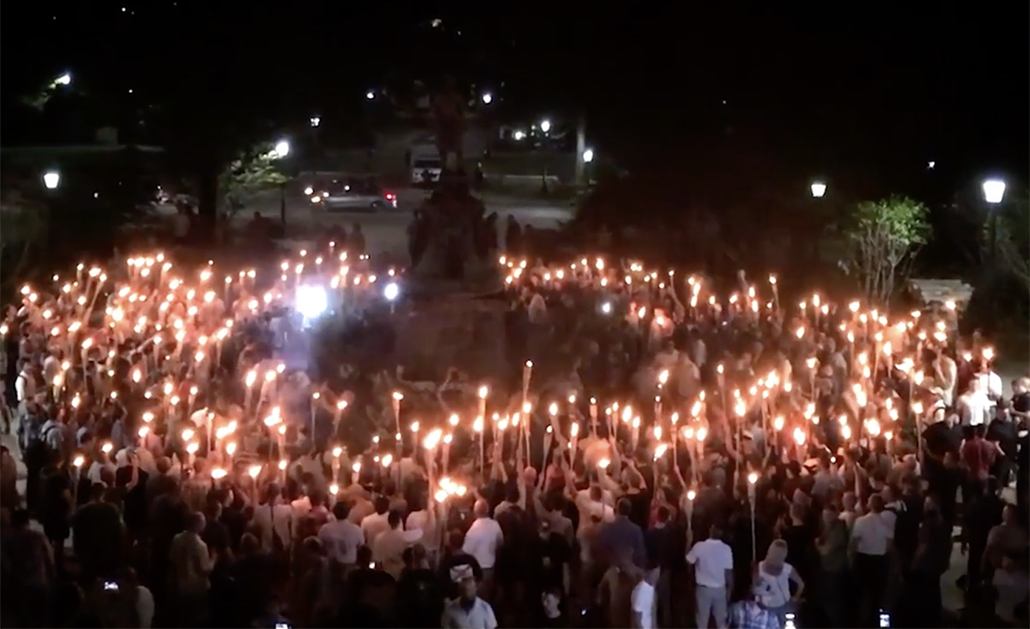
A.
pixel 777 575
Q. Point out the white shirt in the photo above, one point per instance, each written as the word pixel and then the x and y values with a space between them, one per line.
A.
pixel 481 616
pixel 644 606
pixel 419 520
pixel 777 585
pixel 973 407
pixel 144 607
pixel 991 384
pixel 374 525
pixel 871 534
pixel 24 386
pixel 589 507
pixel 711 559
pixel 51 367
pixel 276 519
pixel 341 540
pixel 482 541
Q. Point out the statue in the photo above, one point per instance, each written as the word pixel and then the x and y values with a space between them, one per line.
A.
pixel 449 125
pixel 449 243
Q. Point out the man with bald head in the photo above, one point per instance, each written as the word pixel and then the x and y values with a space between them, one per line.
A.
pixel 483 541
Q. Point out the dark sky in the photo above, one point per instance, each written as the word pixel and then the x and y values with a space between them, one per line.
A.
pixel 825 87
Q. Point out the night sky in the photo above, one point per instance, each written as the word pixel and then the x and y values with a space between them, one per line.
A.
pixel 866 95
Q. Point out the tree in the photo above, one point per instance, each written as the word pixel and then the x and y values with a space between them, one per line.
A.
pixel 881 238
pixel 22 223
pixel 1005 241
pixel 253 170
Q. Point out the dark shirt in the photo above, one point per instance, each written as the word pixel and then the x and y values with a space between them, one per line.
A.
pixel 255 577
pixel 941 438
pixel 373 595
pixel 798 537
pixel 97 538
pixel 621 535
pixel 216 535
pixel 419 597
pixel 641 508
pixel 454 560
pixel 550 556
pixel 658 542
pixel 933 553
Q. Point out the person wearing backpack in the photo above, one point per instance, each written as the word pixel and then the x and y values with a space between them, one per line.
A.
pixel 33 448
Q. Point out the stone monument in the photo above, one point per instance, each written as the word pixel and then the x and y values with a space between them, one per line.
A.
pixel 453 252
pixel 454 318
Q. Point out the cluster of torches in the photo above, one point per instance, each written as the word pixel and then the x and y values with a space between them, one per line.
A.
pixel 151 302
pixel 155 305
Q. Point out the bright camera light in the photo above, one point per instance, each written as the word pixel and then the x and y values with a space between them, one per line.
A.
pixel 52 179
pixel 282 149
pixel 588 156
pixel 309 191
pixel 391 291
pixel 315 121
pixel 370 95
pixel 312 301
pixel 519 135
pixel 818 189
pixel 606 307
pixel 545 126
pixel 488 98
pixel 994 191
pixel 64 79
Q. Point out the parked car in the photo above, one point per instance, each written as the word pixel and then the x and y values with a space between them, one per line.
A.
pixel 352 194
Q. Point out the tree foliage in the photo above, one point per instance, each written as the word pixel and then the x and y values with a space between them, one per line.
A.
pixel 22 224
pixel 253 170
pixel 1005 238
pixel 881 238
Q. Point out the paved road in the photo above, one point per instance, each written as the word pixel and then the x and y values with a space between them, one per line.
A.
pixel 386 231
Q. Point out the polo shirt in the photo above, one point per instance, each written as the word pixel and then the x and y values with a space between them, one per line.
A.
pixel 871 534
pixel 711 559
pixel 483 540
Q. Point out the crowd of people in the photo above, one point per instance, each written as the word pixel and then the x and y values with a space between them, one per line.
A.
pixel 661 455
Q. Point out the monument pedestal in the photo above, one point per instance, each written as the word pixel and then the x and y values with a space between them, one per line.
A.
pixel 451 330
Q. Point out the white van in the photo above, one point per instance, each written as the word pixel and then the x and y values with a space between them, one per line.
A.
pixel 425 170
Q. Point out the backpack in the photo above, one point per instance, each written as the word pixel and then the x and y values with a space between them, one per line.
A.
pixel 31 429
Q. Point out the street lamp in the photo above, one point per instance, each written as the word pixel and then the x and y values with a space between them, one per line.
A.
pixel 545 125
pixel 51 179
pixel 315 121
pixel 994 191
pixel 588 156
pixel 518 135
pixel 64 79
pixel 487 98
pixel 818 189
pixel 281 150
pixel 370 95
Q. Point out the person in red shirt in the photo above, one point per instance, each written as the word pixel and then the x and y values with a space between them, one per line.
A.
pixel 978 456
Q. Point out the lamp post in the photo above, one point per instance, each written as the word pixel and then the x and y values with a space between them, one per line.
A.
pixel 281 150
pixel 994 194
pixel 818 189
pixel 994 191
pixel 51 179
